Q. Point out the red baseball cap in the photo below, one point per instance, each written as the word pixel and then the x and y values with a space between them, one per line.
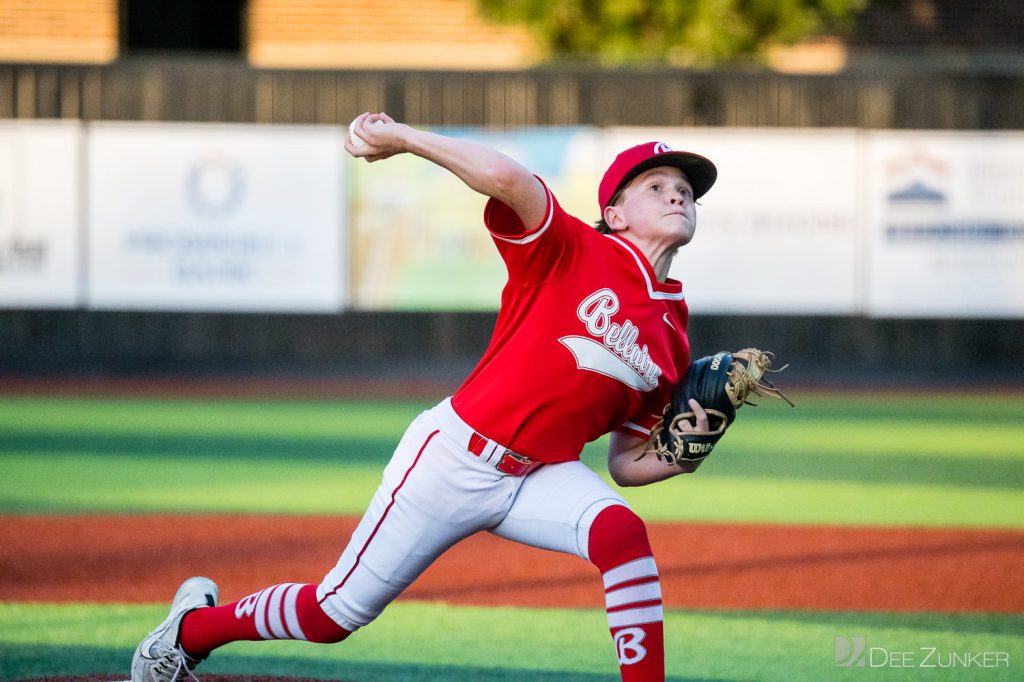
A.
pixel 699 171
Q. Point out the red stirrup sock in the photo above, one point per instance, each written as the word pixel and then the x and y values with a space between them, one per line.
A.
pixel 619 548
pixel 288 611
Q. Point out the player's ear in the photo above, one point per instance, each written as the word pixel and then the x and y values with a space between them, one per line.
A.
pixel 614 218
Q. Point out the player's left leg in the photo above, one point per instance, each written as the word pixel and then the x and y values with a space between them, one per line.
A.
pixel 432 494
pixel 568 508
pixel 285 611
pixel 196 626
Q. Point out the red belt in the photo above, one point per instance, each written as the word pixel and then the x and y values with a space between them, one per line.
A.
pixel 510 463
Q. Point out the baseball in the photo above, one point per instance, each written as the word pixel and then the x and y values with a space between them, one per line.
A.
pixel 355 139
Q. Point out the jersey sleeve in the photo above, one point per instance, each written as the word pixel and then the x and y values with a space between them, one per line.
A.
pixel 537 253
pixel 640 425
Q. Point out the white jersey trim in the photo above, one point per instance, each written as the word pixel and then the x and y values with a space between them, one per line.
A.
pixel 656 295
pixel 593 356
pixel 533 235
pixel 636 427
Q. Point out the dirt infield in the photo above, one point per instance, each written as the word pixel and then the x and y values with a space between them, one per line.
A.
pixel 143 559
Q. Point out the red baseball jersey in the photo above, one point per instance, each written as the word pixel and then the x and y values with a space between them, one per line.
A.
pixel 587 341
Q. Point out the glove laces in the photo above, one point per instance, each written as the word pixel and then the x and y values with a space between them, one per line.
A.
pixel 748 377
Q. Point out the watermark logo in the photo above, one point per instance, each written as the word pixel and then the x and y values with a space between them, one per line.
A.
pixel 854 652
pixel 850 652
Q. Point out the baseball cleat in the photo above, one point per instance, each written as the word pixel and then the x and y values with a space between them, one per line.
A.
pixel 160 658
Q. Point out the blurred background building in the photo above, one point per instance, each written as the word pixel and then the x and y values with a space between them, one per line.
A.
pixel 493 65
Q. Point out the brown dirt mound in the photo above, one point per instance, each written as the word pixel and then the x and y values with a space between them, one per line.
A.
pixel 703 565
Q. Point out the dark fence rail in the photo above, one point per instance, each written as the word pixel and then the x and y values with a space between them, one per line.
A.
pixel 229 91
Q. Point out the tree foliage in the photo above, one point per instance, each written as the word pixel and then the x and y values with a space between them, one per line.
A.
pixel 697 32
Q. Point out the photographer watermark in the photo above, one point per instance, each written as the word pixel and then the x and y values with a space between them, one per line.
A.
pixel 854 652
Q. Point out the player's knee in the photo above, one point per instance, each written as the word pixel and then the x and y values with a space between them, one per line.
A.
pixel 617 535
pixel 316 625
pixel 323 630
pixel 328 636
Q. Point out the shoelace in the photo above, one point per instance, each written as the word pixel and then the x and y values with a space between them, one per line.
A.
pixel 171 656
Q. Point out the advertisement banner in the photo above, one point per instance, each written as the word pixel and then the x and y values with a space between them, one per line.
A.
pixel 216 217
pixel 40 206
pixel 419 236
pixel 946 224
pixel 778 233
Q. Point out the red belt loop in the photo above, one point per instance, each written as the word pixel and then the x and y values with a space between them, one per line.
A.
pixel 477 444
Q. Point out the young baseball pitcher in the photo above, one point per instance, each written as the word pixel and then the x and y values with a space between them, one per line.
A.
pixel 590 340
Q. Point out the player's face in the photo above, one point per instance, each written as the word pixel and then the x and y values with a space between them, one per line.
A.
pixel 658 207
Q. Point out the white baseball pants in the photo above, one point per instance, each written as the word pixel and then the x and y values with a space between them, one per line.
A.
pixel 434 492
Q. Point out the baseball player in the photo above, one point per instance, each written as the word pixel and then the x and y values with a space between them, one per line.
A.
pixel 590 340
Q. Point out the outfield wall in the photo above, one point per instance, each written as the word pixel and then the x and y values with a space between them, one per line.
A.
pixel 444 346
pixel 278 219
pixel 845 322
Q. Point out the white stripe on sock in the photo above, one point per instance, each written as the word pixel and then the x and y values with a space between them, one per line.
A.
pixel 633 594
pixel 290 614
pixel 274 612
pixel 647 614
pixel 260 616
pixel 631 570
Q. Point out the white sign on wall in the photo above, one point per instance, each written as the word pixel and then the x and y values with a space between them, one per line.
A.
pixel 216 217
pixel 40 208
pixel 779 232
pixel 946 224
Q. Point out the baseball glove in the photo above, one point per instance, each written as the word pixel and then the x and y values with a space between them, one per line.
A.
pixel 721 384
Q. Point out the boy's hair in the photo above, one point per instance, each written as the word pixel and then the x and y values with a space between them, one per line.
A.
pixel 602 225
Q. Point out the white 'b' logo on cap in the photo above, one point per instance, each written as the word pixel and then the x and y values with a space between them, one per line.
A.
pixel 661 148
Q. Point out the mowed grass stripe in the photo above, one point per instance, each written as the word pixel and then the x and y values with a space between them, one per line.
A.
pixel 99 482
pixel 349 449
pixel 881 437
pixel 832 460
pixel 414 641
pixel 299 419
pixel 112 483
pixel 913 425
pixel 36 661
pixel 894 468
pixel 765 457
pixel 767 500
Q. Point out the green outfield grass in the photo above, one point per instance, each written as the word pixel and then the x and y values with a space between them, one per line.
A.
pixel 935 460
pixel 421 641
